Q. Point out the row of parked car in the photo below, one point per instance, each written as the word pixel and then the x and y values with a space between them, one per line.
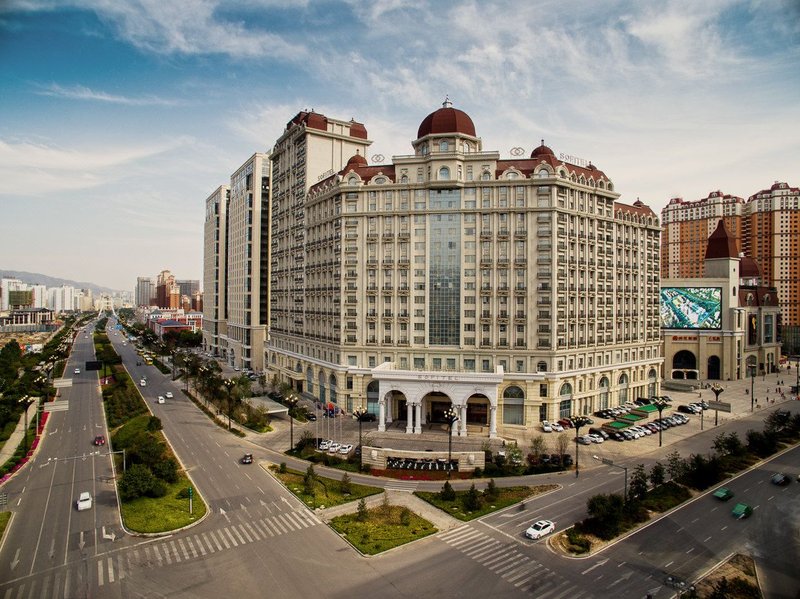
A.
pixel 693 408
pixel 560 426
pixel 333 447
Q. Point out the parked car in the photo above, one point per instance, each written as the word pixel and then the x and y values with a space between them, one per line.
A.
pixel 84 501
pixel 595 438
pixel 539 529
pixel 565 422
pixel 546 427
pixel 99 440
pixel 557 428
pixel 247 458
pixel 324 445
pixel 311 416
pixel 160 399
pixel 685 409
pixel 598 431
pixel 345 449
pixel 334 447
pixel 617 436
pixel 368 417
pixel 584 440
pixel 567 460
pixel 168 394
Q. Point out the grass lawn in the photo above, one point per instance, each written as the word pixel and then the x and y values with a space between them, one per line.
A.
pixel 327 492
pixel 162 514
pixel 4 518
pixel 385 527
pixel 505 496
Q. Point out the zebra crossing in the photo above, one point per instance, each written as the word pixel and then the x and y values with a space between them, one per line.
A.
pixel 506 561
pixel 113 567
pixel 402 485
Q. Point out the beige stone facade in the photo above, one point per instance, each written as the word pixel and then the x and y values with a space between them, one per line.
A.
pixel 511 290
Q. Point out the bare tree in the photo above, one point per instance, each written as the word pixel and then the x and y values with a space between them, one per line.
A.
pixel 562 444
pixel 537 448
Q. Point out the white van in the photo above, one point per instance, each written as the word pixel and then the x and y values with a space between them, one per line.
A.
pixel 143 383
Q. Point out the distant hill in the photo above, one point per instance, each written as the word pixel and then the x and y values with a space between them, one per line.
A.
pixel 35 278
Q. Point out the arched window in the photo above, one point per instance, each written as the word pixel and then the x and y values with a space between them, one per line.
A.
pixel 322 387
pixel 651 382
pixel 332 387
pixel 604 393
pixel 444 174
pixel 543 173
pixel 623 389
pixel 485 176
pixel 513 408
pixel 443 146
pixel 404 179
pixel 566 389
pixel 309 380
pixel 352 181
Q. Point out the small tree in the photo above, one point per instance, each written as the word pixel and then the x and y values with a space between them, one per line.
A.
pixel 638 484
pixel 154 424
pixel 405 516
pixel 728 444
pixel 676 465
pixel 447 493
pixel 136 481
pixel 361 512
pixel 538 447
pixel 471 500
pixel 562 444
pixel 491 490
pixel 309 479
pixel 167 470
pixel 657 474
pixel 386 506
pixel 345 484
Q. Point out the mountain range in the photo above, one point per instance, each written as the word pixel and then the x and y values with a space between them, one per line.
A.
pixel 35 278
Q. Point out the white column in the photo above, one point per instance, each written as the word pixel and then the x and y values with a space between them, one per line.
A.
pixel 389 410
pixel 381 415
pixel 418 418
pixel 409 417
pixel 492 422
pixel 462 422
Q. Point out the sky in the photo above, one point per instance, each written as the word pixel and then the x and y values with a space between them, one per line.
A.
pixel 119 118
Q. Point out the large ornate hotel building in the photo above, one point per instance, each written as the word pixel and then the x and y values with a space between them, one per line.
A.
pixel 512 290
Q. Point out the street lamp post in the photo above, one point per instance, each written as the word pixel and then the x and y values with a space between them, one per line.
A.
pixel 578 422
pixel 450 418
pixel 359 414
pixel 752 387
pixel 717 390
pixel 229 385
pixel 25 401
pixel 291 401
pixel 660 405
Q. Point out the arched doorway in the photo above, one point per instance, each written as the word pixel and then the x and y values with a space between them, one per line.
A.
pixel 435 404
pixel 684 365
pixel 478 410
pixel 713 368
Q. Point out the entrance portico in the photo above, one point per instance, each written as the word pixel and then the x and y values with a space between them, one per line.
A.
pixel 432 390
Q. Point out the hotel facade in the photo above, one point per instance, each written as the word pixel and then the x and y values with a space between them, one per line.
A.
pixel 510 290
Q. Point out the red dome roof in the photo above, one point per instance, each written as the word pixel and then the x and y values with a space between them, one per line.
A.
pixel 542 150
pixel 356 160
pixel 447 120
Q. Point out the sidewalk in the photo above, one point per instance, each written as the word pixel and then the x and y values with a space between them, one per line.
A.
pixel 15 440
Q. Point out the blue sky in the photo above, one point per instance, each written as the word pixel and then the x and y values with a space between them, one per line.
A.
pixel 117 119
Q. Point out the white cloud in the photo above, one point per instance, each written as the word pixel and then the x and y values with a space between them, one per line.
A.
pixel 80 92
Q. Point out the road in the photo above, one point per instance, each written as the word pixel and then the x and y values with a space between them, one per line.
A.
pixel 258 539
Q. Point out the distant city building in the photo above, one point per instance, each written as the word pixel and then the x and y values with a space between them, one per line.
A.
pixel 62 299
pixel 188 287
pixel 27 320
pixel 7 286
pixel 168 294
pixel 724 325
pixel 247 264
pixel 145 291
pixel 765 228
pixel 39 296
pixel 215 268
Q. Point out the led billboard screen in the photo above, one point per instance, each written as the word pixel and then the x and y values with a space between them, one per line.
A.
pixel 691 307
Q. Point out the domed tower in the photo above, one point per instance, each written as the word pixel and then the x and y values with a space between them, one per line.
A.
pixel 446 130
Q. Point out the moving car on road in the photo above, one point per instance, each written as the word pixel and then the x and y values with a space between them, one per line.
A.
pixel 539 529
pixel 168 394
pixel 161 399
pixel 99 440
pixel 247 458
pixel 84 501
pixel 779 479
